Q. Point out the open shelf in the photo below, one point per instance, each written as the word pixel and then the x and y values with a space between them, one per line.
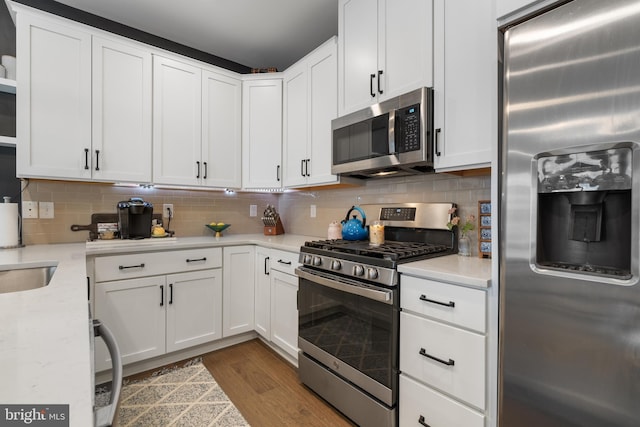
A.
pixel 7 86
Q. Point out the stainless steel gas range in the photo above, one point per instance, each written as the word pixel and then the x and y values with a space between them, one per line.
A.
pixel 348 304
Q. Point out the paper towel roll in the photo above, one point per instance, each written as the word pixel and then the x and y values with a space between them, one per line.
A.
pixel 9 221
pixel 9 62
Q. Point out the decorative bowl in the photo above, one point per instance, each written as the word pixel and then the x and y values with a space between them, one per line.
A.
pixel 218 228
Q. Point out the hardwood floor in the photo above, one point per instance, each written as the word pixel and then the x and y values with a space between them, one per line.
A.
pixel 266 389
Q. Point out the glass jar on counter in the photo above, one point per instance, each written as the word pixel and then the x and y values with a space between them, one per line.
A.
pixel 376 233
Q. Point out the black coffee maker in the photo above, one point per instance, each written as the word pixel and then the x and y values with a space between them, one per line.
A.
pixel 134 218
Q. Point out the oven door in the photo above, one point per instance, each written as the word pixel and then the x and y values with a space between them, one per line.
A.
pixel 351 328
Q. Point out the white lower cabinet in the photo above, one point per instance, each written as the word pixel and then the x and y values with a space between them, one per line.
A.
pixel 238 290
pixel 194 308
pixel 421 405
pixel 443 347
pixel 263 293
pixel 276 299
pixel 152 313
pixel 134 311
pixel 447 358
pixel 284 312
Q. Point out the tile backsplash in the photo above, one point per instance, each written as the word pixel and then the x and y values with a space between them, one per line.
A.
pixel 74 203
pixel 333 205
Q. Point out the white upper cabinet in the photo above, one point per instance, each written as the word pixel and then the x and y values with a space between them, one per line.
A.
pixel 196 127
pixel 177 122
pixel 84 105
pixel 221 130
pixel 465 84
pixel 310 103
pixel 121 112
pixel 262 132
pixel 385 49
pixel 54 101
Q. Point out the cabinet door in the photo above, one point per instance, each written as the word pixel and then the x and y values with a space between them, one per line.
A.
pixel 323 107
pixel 238 289
pixel 221 130
pixel 405 52
pixel 357 54
pixel 262 133
pixel 134 310
pixel 263 293
pixel 177 120
pixel 296 125
pixel 121 112
pixel 54 100
pixel 284 312
pixel 465 108
pixel 194 308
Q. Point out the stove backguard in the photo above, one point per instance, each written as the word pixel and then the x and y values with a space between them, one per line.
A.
pixel 584 212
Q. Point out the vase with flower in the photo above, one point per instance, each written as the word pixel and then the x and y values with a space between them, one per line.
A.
pixel 464 243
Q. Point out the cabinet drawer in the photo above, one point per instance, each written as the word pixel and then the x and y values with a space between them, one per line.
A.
pixel 283 261
pixel 119 267
pixel 420 403
pixel 454 304
pixel 460 370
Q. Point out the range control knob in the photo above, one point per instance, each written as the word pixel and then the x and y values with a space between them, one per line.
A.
pixel 307 259
pixel 317 261
pixel 336 265
pixel 358 270
pixel 372 273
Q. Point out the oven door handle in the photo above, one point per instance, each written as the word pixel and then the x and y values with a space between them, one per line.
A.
pixel 374 294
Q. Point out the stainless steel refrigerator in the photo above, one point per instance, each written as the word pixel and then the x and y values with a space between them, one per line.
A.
pixel 569 218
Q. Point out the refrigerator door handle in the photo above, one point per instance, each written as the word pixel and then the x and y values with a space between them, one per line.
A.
pixel 105 416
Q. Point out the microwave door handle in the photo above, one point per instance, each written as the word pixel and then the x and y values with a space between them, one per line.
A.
pixel 392 133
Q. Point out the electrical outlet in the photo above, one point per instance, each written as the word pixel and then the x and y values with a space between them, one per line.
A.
pixel 46 210
pixel 253 210
pixel 312 211
pixel 167 210
pixel 29 209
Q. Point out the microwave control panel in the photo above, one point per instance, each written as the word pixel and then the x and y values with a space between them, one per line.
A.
pixel 408 129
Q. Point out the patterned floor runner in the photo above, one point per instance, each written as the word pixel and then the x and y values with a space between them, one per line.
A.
pixel 186 396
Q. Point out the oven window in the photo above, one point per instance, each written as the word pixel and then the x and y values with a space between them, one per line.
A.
pixel 359 331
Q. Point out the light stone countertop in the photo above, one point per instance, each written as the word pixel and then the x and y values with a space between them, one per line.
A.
pixel 45 339
pixel 468 271
pixel 45 334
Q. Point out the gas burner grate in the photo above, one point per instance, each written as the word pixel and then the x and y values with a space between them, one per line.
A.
pixel 393 251
pixel 590 269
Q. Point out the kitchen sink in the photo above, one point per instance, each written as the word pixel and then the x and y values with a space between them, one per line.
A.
pixel 24 279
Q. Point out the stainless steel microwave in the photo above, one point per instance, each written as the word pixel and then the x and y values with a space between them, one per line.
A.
pixel 392 138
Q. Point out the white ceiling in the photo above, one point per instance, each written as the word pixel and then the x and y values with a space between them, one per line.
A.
pixel 255 33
